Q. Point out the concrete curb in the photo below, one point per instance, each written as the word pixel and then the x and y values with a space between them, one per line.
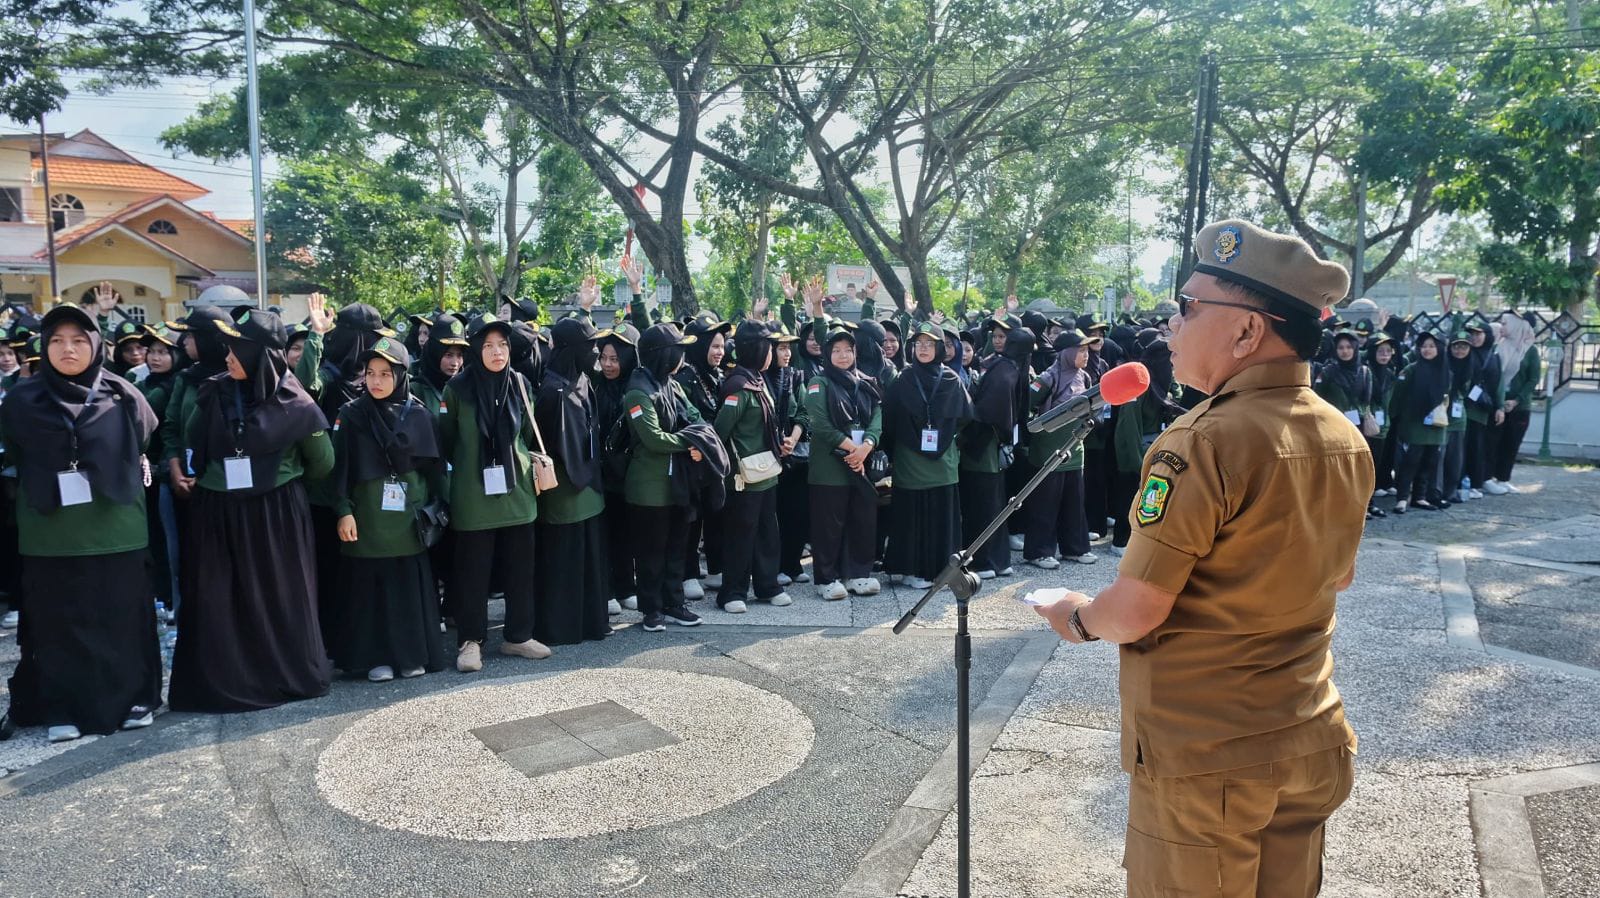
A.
pixel 1461 618
pixel 1508 860
pixel 891 860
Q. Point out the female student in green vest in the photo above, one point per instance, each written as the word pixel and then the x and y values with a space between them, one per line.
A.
pixel 443 357
pixel 163 359
pixel 1134 427
pixel 922 412
pixel 1455 447
pixel 1385 370
pixel 845 411
pixel 249 615
pixel 617 359
pixel 657 410
pixel 76 432
pixel 1420 410
pixel 787 385
pixel 748 423
pixel 572 573
pixel 1000 407
pixel 486 432
pixel 388 466
pixel 1345 383
pixel 1057 528
pixel 700 376
pixel 1485 401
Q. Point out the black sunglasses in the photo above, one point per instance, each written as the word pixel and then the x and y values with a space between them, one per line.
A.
pixel 1185 299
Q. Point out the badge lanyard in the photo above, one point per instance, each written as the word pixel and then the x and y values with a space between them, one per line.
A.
pixel 72 483
pixel 930 434
pixel 237 473
pixel 394 492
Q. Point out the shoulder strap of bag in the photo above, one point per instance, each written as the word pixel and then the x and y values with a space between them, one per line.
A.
pixel 527 404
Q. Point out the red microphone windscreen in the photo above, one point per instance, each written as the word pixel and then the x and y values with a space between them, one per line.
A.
pixel 1124 383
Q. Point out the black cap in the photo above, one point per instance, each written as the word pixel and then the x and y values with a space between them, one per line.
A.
pixel 572 331
pixel 256 326
pixel 392 351
pixel 485 322
pixel 69 312
pixel 159 333
pixel 362 317
pixel 659 336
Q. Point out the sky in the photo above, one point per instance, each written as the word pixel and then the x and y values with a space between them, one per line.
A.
pixel 133 120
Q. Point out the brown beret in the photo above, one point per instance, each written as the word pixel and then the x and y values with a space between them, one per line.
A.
pixel 1279 266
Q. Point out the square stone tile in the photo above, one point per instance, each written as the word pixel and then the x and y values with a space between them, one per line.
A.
pixel 548 757
pixel 629 738
pixel 593 718
pixel 572 737
pixel 513 734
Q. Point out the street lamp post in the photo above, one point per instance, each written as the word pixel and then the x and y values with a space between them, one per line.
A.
pixel 1553 353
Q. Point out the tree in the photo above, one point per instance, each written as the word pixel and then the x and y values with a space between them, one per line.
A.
pixel 1537 181
pixel 33 38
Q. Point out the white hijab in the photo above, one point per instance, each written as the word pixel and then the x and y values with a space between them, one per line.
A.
pixel 1516 338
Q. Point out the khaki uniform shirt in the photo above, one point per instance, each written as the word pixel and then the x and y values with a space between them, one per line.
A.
pixel 1251 510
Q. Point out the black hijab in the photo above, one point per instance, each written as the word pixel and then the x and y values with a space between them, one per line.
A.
pixel 260 416
pixel 1349 376
pixel 701 380
pixel 213 355
pixel 1430 379
pixel 869 351
pixel 660 353
pixel 102 416
pixel 1383 374
pixel 608 392
pixel 445 327
pixel 1462 370
pixel 927 394
pixel 498 400
pixel 385 437
pixel 810 365
pixel 180 360
pixel 528 356
pixel 852 396
pixel 567 410
pixel 754 347
pixel 356 329
pixel 1000 398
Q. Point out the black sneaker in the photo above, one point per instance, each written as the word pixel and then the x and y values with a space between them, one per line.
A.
pixel 682 616
pixel 655 623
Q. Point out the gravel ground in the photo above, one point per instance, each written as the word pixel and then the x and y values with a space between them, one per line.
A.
pixel 1568 839
pixel 1552 614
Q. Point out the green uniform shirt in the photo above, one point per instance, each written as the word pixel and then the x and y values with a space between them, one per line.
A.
pixel 1043 445
pixel 1521 384
pixel 427 394
pixel 827 469
pixel 653 449
pixel 567 504
pixel 154 451
pixel 740 425
pixel 1136 421
pixel 310 457
pixel 470 508
pixel 915 470
pixel 1412 430
pixel 180 405
pixel 100 527
pixel 379 533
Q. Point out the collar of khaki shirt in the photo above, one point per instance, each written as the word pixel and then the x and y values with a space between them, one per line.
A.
pixel 1269 375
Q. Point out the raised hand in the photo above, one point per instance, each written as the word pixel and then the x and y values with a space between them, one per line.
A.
pixel 871 290
pixel 588 293
pixel 758 309
pixel 321 317
pixel 1012 303
pixel 105 296
pixel 632 270
pixel 814 291
pixel 790 288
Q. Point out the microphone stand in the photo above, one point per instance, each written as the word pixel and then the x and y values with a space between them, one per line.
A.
pixel 963 583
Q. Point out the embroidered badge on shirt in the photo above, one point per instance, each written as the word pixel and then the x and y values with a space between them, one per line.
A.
pixel 636 412
pixel 814 388
pixel 731 400
pixel 444 407
pixel 1171 460
pixel 1153 500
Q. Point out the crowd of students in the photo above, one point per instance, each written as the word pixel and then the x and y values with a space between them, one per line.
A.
pixel 328 495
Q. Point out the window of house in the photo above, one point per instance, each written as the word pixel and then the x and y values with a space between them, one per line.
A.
pixel 162 226
pixel 134 313
pixel 10 204
pixel 66 211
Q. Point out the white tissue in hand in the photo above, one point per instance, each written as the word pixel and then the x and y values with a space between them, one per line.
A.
pixel 1044 596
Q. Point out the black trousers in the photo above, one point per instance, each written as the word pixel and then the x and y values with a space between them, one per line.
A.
pixel 982 497
pixel 1096 488
pixel 1016 477
pixel 1480 463
pixel 1418 475
pixel 1452 464
pixel 844 521
pixel 1124 484
pixel 1385 454
pixel 504 555
pixel 659 535
pixel 1508 441
pixel 749 545
pixel 1055 518
pixel 619 546
pixel 794 518
pixel 708 525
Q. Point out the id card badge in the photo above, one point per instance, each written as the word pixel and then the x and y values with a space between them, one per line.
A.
pixel 494 481
pixel 1477 392
pixel 930 439
pixel 1427 420
pixel 1458 409
pixel 188 462
pixel 1016 434
pixel 74 486
pixel 1105 413
pixel 394 496
pixel 1379 416
pixel 1354 416
pixel 858 436
pixel 238 474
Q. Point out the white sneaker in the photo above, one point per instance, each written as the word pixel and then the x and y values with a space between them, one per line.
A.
pixel 865 586
pixel 1016 543
pixel 65 733
pixel 1509 487
pixel 833 592
pixel 692 590
pixel 613 607
pixel 1046 563
pixel 9 621
pixel 412 672
pixel 469 658
pixel 631 603
pixel 735 607
pixel 805 577
pixel 1095 537
pixel 1475 494
pixel 1086 558
pixel 986 575
pixel 1006 571
pixel 138 718
pixel 532 649
pixel 1115 550
pixel 1496 488
pixel 781 600
pixel 712 582
pixel 918 583
pixel 1391 491
pixel 383 673
pixel 785 579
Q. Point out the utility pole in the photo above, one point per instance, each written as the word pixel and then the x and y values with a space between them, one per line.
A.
pixel 1203 187
pixel 1358 276
pixel 49 214
pixel 1198 167
pixel 254 97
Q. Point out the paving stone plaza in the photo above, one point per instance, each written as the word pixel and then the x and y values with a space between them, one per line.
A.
pixel 807 751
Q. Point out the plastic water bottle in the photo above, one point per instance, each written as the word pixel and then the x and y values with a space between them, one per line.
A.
pixel 166 635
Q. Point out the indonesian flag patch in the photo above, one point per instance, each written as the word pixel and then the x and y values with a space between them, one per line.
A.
pixel 636 412
pixel 731 400
pixel 814 388
pixel 444 407
pixel 1036 386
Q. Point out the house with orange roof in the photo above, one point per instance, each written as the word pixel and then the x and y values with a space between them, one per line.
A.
pixel 115 219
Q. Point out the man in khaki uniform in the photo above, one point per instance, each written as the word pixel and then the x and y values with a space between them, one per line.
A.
pixel 1245 529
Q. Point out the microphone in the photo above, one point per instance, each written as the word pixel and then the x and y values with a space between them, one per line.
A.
pixel 1119 386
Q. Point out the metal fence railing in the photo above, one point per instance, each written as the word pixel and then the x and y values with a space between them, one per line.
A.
pixel 1580 343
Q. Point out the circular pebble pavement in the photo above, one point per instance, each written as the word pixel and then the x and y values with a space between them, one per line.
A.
pixel 416 766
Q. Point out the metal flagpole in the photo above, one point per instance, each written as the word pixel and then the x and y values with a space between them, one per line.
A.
pixel 49 213
pixel 255 150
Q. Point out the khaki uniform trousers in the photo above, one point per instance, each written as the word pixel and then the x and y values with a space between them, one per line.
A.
pixel 1254 832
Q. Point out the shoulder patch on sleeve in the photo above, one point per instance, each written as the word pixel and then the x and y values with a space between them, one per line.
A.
pixel 814 388
pixel 444 407
pixel 337 422
pixel 1153 500
pixel 1170 459
pixel 636 412
pixel 1036 386
pixel 731 400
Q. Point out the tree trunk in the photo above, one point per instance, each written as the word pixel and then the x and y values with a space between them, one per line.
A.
pixel 758 263
pixel 921 289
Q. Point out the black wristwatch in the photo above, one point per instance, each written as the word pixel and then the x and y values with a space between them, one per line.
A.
pixel 1079 628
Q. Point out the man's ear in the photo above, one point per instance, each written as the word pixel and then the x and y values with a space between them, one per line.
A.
pixel 1249 336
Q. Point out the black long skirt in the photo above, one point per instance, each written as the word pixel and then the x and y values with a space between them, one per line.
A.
pixel 388 615
pixel 247 628
pixel 88 640
pixel 924 531
pixel 573 582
